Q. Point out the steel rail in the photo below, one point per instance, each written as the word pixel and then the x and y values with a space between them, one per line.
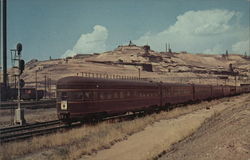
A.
pixel 28 104
pixel 29 134
pixel 28 126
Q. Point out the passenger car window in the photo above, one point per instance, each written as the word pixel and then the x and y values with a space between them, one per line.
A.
pixel 63 95
pixel 109 95
pixel 116 95
pixel 121 94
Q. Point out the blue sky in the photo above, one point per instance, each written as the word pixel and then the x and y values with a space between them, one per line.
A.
pixel 60 28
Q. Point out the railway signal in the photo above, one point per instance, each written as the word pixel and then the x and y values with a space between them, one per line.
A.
pixel 21 66
pixel 19 48
pixel 22 83
pixel 16 58
pixel 21 62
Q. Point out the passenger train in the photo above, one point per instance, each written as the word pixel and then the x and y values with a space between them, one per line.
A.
pixel 81 98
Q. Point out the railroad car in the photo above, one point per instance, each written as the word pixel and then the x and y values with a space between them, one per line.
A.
pixel 30 93
pixel 176 93
pixel 228 90
pixel 26 93
pixel 217 91
pixel 202 92
pixel 80 98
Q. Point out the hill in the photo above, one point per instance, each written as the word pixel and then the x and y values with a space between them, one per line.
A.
pixel 127 61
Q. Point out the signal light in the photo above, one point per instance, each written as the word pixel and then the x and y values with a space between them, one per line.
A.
pixel 21 66
pixel 19 48
pixel 22 83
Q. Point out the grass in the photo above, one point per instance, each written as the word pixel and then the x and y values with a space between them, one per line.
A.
pixel 89 139
pixel 31 115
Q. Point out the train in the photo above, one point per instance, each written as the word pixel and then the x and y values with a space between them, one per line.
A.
pixel 8 93
pixel 83 98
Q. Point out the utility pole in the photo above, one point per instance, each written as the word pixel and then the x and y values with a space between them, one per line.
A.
pixel 36 87
pixel 169 49
pixel 45 86
pixel 139 70
pixel 166 47
pixel 235 80
pixel 4 33
pixel 49 86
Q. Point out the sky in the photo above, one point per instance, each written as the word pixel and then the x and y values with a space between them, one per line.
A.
pixel 61 28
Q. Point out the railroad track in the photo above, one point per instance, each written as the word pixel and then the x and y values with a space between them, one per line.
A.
pixel 29 104
pixel 31 130
pixel 18 133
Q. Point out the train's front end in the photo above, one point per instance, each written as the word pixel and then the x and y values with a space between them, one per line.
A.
pixel 63 112
pixel 70 102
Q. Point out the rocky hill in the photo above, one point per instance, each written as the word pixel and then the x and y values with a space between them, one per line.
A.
pixel 131 59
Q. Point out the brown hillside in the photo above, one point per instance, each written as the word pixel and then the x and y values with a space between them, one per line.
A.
pixel 127 60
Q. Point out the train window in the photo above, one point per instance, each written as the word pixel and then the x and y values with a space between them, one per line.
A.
pixel 128 94
pixel 95 95
pixel 101 96
pixel 121 94
pixel 116 95
pixel 109 95
pixel 58 95
pixel 134 93
pixel 142 94
pixel 63 95
pixel 75 95
pixel 87 95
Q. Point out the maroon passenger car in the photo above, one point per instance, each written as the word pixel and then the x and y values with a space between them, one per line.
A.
pixel 80 97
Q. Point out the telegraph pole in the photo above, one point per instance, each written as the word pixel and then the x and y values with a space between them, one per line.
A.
pixel 36 86
pixel 139 70
pixel 235 80
pixel 4 33
pixel 45 86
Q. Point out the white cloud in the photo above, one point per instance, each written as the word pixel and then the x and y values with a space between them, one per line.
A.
pixel 68 53
pixel 90 43
pixel 241 47
pixel 203 22
pixel 216 49
pixel 207 31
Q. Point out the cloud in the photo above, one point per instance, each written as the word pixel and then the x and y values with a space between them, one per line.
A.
pixel 90 43
pixel 202 22
pixel 241 47
pixel 206 31
pixel 216 49
pixel 68 53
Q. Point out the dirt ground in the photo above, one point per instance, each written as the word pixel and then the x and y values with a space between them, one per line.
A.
pixel 224 135
pixel 217 129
